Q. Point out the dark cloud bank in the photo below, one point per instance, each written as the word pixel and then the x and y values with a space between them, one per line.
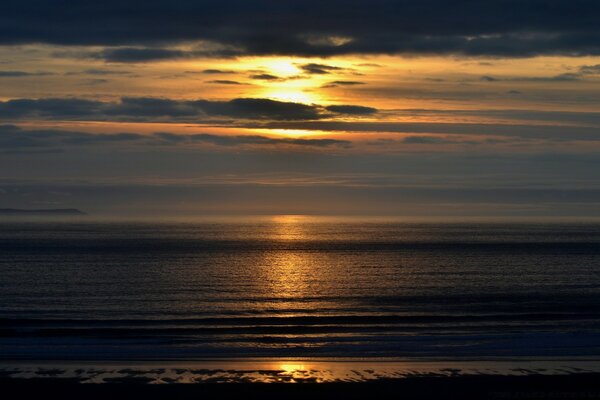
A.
pixel 13 138
pixel 20 74
pixel 149 108
pixel 143 31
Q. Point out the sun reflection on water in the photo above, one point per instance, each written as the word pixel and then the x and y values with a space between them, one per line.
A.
pixel 290 227
pixel 288 275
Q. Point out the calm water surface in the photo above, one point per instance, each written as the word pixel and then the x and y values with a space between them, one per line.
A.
pixel 298 287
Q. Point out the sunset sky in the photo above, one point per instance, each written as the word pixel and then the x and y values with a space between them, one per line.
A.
pixel 426 108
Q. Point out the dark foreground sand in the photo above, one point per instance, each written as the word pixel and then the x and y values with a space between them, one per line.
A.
pixel 301 379
pixel 577 386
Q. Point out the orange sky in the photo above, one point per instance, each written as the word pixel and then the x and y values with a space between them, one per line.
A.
pixel 385 108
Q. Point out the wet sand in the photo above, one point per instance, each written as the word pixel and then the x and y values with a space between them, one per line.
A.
pixel 579 386
pixel 315 379
pixel 286 370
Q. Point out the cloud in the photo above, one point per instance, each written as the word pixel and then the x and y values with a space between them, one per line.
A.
pixel 20 74
pixel 531 115
pixel 214 71
pixel 565 77
pixel 171 137
pixel 136 55
pixel 93 82
pixel 16 139
pixel 543 131
pixel 31 152
pixel 222 140
pixel 158 109
pixel 149 107
pixel 487 78
pixel 434 140
pixel 500 28
pixel 248 108
pixel 347 83
pixel 468 190
pixel 342 83
pixel 226 82
pixel 590 69
pixel 350 109
pixel 581 73
pixel 50 108
pixel 265 77
pixel 94 71
pixel 319 69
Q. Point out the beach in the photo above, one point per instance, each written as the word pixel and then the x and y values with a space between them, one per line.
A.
pixel 345 380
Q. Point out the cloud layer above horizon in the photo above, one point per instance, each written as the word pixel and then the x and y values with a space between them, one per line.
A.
pixel 312 28
pixel 362 107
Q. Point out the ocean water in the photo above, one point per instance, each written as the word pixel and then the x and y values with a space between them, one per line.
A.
pixel 298 287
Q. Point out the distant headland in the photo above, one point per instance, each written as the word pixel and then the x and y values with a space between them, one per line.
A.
pixel 18 212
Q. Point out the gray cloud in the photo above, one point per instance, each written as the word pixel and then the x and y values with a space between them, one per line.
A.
pixel 590 69
pixel 260 109
pixel 564 77
pixel 93 82
pixel 151 109
pixel 135 54
pixel 13 138
pixel 319 69
pixel 501 28
pixel 342 83
pixel 306 197
pixel 487 78
pixel 548 132
pixel 264 140
pixel 582 72
pixel 94 71
pixel 563 117
pixel 351 109
pixel 226 82
pixel 433 140
pixel 265 77
pixel 215 71
pixel 49 108
pixel 173 173
pixel 347 83
pixel 20 74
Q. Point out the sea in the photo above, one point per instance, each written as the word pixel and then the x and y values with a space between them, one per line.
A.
pixel 299 287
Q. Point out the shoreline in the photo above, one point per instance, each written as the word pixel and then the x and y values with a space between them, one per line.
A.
pixel 286 370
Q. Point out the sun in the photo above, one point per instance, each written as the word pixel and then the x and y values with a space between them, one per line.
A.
pixel 289 83
pixel 283 68
pixel 301 90
pixel 294 96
